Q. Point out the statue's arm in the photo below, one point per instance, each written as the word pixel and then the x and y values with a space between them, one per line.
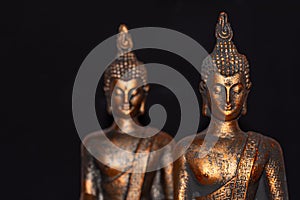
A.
pixel 180 175
pixel 167 173
pixel 90 177
pixel 275 173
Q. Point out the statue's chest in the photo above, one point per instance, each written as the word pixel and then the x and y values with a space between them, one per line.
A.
pixel 117 157
pixel 115 164
pixel 218 167
pixel 122 155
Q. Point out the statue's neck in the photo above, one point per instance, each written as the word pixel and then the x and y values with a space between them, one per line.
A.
pixel 125 125
pixel 221 128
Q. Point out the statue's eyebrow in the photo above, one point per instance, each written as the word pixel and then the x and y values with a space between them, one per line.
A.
pixel 135 88
pixel 220 84
pixel 117 87
pixel 238 83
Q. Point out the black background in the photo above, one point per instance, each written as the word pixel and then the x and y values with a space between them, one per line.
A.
pixel 45 42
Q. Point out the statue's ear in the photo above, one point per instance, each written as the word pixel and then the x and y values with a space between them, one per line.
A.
pixel 244 109
pixel 146 89
pixel 108 100
pixel 142 107
pixel 202 87
pixel 249 87
pixel 205 107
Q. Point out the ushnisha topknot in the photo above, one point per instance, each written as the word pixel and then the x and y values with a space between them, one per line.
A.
pixel 126 66
pixel 225 59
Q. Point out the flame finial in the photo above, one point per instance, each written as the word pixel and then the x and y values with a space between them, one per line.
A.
pixel 225 58
pixel 223 28
pixel 124 40
pixel 126 66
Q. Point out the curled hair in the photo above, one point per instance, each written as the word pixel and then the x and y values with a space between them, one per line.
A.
pixel 126 66
pixel 225 59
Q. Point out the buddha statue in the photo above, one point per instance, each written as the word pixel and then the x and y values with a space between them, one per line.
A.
pixel 125 87
pixel 238 164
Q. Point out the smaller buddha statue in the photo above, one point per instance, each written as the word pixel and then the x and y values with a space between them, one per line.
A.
pixel 115 179
pixel 239 163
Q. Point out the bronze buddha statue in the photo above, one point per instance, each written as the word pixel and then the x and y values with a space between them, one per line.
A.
pixel 239 163
pixel 126 100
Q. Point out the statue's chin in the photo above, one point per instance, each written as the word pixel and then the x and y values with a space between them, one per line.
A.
pixel 225 116
pixel 125 114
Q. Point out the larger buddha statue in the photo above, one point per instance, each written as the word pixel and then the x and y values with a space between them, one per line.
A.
pixel 107 172
pixel 238 163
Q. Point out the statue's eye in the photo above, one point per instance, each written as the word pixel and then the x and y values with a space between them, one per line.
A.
pixel 237 89
pixel 118 92
pixel 134 93
pixel 217 89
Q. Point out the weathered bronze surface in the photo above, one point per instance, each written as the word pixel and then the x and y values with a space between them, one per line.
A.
pixel 100 181
pixel 240 163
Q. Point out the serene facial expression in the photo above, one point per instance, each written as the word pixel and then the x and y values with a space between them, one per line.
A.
pixel 226 96
pixel 126 97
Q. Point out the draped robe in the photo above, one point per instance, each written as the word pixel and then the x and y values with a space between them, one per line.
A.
pixel 260 168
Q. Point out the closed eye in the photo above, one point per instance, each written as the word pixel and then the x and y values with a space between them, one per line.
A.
pixel 118 92
pixel 237 89
pixel 217 89
pixel 134 92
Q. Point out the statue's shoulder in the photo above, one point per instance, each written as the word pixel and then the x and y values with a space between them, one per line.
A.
pixel 158 134
pixel 200 137
pixel 161 135
pixel 273 145
pixel 161 138
pixel 191 141
pixel 266 143
pixel 94 138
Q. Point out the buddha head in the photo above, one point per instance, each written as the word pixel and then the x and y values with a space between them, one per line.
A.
pixel 123 80
pixel 225 76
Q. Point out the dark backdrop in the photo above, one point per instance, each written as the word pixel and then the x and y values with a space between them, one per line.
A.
pixel 45 42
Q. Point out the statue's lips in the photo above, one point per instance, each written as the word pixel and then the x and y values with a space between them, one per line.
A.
pixel 126 110
pixel 228 108
pixel 226 111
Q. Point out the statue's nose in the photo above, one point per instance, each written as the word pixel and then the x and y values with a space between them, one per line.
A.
pixel 227 97
pixel 126 104
pixel 126 98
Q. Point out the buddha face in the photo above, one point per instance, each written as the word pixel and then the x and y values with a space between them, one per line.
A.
pixel 127 98
pixel 226 96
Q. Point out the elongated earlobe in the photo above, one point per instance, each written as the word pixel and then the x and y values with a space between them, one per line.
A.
pixel 142 108
pixel 146 89
pixel 206 110
pixel 108 102
pixel 244 109
pixel 202 87
pixel 205 106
